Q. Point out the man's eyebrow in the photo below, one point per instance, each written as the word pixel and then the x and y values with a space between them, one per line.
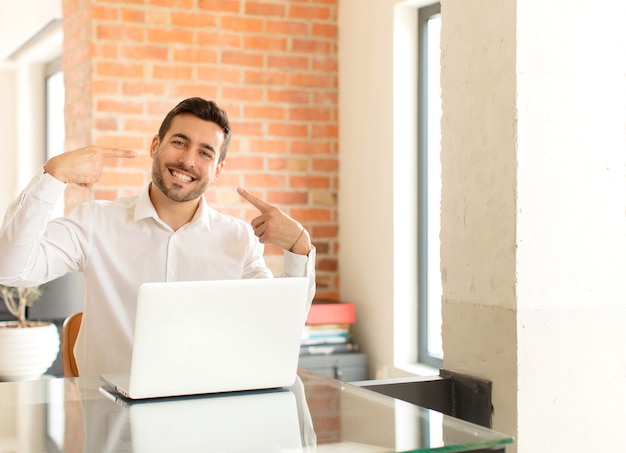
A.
pixel 180 135
pixel 202 145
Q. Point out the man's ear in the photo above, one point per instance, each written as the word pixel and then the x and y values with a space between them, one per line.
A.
pixel 154 146
pixel 218 170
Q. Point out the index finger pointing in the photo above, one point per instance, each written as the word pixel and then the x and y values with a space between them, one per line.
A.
pixel 253 200
pixel 116 152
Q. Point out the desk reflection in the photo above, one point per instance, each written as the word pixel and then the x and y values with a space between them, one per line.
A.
pixel 71 417
pixel 74 415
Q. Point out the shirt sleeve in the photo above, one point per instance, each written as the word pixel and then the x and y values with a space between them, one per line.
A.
pixel 24 226
pixel 295 265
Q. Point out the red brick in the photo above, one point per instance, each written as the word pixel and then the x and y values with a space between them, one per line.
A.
pixel 265 9
pixel 287 197
pixel 140 88
pixel 172 72
pixel 247 128
pixel 219 74
pixel 287 27
pixel 310 182
pixel 104 13
pixel 265 78
pixel 287 62
pixel 243 58
pixel 100 87
pixel 309 114
pixel 106 124
pixel 325 97
pixel 267 112
pixel 141 125
pixel 231 6
pixel 325 64
pixel 325 30
pixel 193 20
pixel 311 80
pixel 288 130
pixel 327 165
pixel 246 163
pixel 218 39
pixel 265 43
pixel 309 12
pixel 121 32
pixel 310 46
pixel 289 96
pixel 133 15
pixel 105 50
pixel 268 146
pixel 241 24
pixel 195 55
pixel 177 36
pixel 125 106
pixel 325 231
pixel 264 180
pixel 178 4
pixel 246 93
pixel 125 70
pixel 311 214
pixel 310 147
pixel 144 52
pixel 327 131
pixel 187 90
pixel 124 142
pixel 288 164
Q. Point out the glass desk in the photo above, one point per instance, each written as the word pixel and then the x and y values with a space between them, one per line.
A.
pixel 317 414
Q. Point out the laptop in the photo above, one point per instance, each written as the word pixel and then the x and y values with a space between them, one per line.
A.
pixel 214 336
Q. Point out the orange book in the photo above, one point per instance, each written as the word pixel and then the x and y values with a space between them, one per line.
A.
pixel 331 313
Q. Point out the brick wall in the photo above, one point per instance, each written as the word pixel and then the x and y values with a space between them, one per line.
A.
pixel 271 64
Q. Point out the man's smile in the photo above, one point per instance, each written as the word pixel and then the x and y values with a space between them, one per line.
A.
pixel 180 176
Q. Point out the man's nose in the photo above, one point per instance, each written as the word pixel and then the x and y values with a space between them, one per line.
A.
pixel 187 157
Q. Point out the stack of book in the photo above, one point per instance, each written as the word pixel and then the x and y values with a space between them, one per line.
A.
pixel 327 329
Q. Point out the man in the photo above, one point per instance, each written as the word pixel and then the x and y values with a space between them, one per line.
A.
pixel 166 233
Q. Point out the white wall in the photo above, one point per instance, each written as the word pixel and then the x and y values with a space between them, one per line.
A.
pixel 377 94
pixel 535 295
pixel 8 180
pixel 29 38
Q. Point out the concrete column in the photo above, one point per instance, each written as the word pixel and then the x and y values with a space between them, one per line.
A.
pixel 533 215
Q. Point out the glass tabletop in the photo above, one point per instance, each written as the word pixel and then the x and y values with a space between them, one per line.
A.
pixel 317 414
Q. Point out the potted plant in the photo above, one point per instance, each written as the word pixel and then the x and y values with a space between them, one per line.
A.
pixel 27 348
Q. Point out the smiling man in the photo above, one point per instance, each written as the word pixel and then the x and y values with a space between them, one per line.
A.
pixel 166 233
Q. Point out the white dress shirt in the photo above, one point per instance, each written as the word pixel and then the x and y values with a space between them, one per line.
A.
pixel 118 245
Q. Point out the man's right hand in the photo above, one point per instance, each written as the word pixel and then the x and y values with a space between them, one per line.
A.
pixel 83 166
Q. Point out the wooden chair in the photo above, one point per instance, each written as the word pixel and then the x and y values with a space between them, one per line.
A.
pixel 69 332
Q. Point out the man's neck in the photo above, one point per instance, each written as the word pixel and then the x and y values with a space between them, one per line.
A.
pixel 173 213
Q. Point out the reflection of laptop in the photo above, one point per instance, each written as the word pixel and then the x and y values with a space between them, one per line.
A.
pixel 243 422
pixel 214 336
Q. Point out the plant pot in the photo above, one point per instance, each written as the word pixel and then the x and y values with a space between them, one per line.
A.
pixel 26 353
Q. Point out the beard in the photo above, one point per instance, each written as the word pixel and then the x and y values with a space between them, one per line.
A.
pixel 178 191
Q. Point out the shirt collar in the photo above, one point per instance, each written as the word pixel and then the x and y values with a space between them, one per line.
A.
pixel 145 209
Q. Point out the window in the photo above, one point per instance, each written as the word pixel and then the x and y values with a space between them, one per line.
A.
pixel 54 112
pixel 430 348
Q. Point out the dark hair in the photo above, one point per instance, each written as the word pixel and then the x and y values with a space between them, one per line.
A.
pixel 203 109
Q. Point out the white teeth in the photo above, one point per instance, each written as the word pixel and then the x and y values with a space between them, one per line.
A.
pixel 181 176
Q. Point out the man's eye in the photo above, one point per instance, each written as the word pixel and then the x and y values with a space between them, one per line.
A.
pixel 206 154
pixel 178 143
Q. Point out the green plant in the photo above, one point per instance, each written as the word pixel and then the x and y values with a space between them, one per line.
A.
pixel 17 299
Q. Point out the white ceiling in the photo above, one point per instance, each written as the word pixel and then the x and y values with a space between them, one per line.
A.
pixel 25 25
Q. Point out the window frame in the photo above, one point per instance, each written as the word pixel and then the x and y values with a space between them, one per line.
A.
pixel 424 355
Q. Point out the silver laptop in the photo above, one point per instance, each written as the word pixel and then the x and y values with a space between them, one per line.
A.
pixel 214 336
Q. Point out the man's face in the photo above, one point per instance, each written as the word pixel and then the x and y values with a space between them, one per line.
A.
pixel 185 162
